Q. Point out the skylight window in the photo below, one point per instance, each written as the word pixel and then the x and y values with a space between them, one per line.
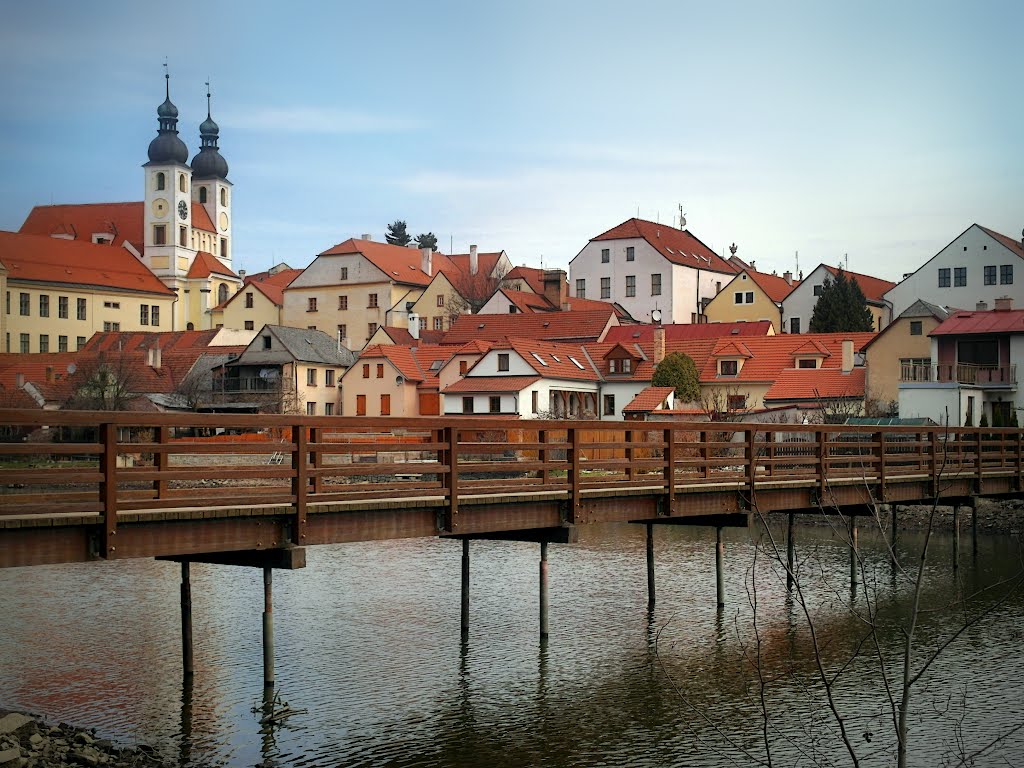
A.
pixel 576 363
pixel 555 357
pixel 436 365
pixel 673 252
pixel 539 359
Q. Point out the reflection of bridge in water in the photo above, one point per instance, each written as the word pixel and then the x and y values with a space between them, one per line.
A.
pixel 255 490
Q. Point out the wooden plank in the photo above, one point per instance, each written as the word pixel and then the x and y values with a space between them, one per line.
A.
pixel 300 481
pixel 108 490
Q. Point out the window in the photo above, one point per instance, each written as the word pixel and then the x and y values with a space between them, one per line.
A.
pixel 248 300
pixel 581 288
pixel 366 370
pixel 79 342
pixel 990 275
pixel 385 405
pixel 343 302
pixel 154 315
pixel 609 405
pixel 750 297
pixel 494 404
pixel 380 370
pixel 440 300
pixel 181 183
pixel 606 287
pixel 311 409
pixel 112 304
pixel 202 194
pixel 311 377
pixel 631 285
pixel 62 343
pixel 360 405
pixel 794 325
pixel 80 309
pixel 606 255
pixel 619 365
pixel 223 196
pixel 371 329
pixel 183 237
pixel 44 305
pixel 960 277
pixel 728 367
pixel 818 289
pixel 743 297
pixel 161 181
pixel 534 401
pixel 1006 274
pixel 630 253
pixel 144 314
pixel 344 273
pixel 266 342
pixel 222 293
pixel 44 342
pixel 656 285
pixel 463 367
pixel 23 340
pixel 250 325
pixel 7 303
pixel 224 248
pixel 62 307
pixel 807 362
pixel 159 234
pixel 23 304
pixel 328 409
pixel 329 377
pixel 467 405
pixel 110 327
pixel 736 402
pixel 915 328
pixel 423 323
pixel 372 301
pixel 342 332
pixel 438 323
pixel 944 277
pixel 311 304
pixel 503 361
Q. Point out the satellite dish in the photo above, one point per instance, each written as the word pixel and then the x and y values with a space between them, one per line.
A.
pixel 656 316
pixel 72 368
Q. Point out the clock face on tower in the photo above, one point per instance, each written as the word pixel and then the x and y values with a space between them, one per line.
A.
pixel 183 209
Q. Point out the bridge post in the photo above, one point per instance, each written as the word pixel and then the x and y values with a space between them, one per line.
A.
pixel 187 666
pixel 650 564
pixel 974 528
pixel 268 627
pixel 465 590
pixel 108 489
pixel 719 557
pixel 790 552
pixel 894 531
pixel 854 570
pixel 956 536
pixel 543 590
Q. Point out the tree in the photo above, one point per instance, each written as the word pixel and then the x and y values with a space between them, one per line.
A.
pixel 426 240
pixel 107 382
pixel 397 234
pixel 679 371
pixel 841 307
pixel 472 292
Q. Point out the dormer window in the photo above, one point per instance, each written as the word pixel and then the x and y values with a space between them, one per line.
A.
pixel 807 362
pixel 620 365
pixel 728 367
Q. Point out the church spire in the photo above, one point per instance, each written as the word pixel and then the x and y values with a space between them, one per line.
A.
pixel 209 163
pixel 167 147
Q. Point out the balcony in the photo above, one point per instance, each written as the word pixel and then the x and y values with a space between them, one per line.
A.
pixel 960 373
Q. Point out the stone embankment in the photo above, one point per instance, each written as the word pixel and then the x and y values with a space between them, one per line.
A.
pixel 26 742
pixel 995 516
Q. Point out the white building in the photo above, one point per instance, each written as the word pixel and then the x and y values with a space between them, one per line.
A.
pixel 798 305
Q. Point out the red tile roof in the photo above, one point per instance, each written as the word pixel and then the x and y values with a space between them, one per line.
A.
pixel 873 287
pixel 167 340
pixel 400 336
pixel 649 399
pixel 679 332
pixel 491 384
pixel 486 262
pixel 53 260
pixel 1014 245
pixel 589 325
pixel 965 322
pixel 532 276
pixel 678 246
pixel 414 363
pixel 771 355
pixel 809 384
pixel 774 287
pixel 206 264
pixel 201 218
pixel 123 221
pixel 271 286
pixel 526 302
pixel 552 360
pixel 402 265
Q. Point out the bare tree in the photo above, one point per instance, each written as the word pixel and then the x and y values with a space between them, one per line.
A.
pixel 472 292
pixel 106 382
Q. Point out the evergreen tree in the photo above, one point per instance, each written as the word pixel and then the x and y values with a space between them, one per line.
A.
pixel 427 240
pixel 679 371
pixel 841 307
pixel 397 234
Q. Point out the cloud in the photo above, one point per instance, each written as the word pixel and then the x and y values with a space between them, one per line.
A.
pixel 317 120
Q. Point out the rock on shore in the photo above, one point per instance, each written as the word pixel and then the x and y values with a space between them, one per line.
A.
pixel 26 742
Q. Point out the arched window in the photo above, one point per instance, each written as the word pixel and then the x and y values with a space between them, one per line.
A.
pixel 223 196
pixel 222 293
pixel 202 194
pixel 161 181
pixel 190 327
pixel 181 182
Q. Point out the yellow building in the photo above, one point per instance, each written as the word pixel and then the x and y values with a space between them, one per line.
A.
pixel 904 342
pixel 259 302
pixel 60 292
pixel 751 296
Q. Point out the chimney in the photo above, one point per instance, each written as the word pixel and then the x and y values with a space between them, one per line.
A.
pixel 427 260
pixel 556 288
pixel 19 380
pixel 1003 304
pixel 474 260
pixel 659 344
pixel 366 237
pixel 847 355
pixel 981 306
pixel 241 275
pixel 414 325
pixel 788 277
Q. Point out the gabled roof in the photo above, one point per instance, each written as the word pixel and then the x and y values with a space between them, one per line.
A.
pixel 649 399
pixel 53 260
pixel 474 347
pixel 680 331
pixel 872 287
pixel 206 264
pixel 476 384
pixel 810 384
pixel 167 340
pixel 532 276
pixel 1014 245
pixel 402 265
pixel 771 355
pixel 416 364
pixel 678 246
pixel 732 348
pixel 527 302
pixel 966 323
pixel 123 221
pixel 811 348
pixel 552 360
pixel 774 287
pixel 486 262
pixel 919 308
pixel 201 218
pixel 589 325
pixel 270 285
pixel 302 345
pixel 400 336
pixel 642 368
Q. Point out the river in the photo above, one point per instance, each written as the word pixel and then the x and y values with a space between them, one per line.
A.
pixel 368 646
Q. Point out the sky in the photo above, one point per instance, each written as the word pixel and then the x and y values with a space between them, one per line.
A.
pixel 803 132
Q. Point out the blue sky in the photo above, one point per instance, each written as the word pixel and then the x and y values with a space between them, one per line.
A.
pixel 876 129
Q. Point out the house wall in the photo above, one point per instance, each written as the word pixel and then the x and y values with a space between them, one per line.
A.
pixel 449 373
pixel 883 357
pixel 755 391
pixel 404 397
pixel 438 318
pixel 974 249
pixel 724 309
pixel 124 309
pixel 623 392
pixel 236 315
pixel 801 300
pixel 935 401
pixel 319 394
pixel 199 297
pixel 587 266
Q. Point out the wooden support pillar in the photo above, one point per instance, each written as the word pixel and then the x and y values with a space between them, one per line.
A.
pixel 719 557
pixel 956 536
pixel 650 564
pixel 268 627
pixel 187 666
pixel 854 569
pixel 543 590
pixel 790 553
pixel 465 589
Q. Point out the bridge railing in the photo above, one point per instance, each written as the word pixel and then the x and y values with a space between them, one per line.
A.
pixel 102 466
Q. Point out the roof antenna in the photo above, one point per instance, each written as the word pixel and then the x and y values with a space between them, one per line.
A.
pixel 682 217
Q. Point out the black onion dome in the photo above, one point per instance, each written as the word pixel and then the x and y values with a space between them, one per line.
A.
pixel 167 109
pixel 168 148
pixel 208 127
pixel 209 164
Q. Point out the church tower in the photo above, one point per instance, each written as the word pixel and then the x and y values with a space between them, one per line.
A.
pixel 168 250
pixel 211 188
